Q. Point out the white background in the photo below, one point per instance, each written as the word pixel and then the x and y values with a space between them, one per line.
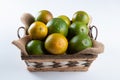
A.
pixel 106 16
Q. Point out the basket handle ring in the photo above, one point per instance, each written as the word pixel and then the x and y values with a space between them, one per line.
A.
pixel 18 31
pixel 91 34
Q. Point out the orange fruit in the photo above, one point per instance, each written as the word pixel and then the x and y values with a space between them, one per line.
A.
pixel 44 16
pixel 66 19
pixel 79 42
pixel 38 30
pixel 56 43
pixel 81 16
pixel 35 47
pixel 57 25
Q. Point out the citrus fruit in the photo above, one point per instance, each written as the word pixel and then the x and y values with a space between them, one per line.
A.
pixel 78 28
pixel 81 16
pixel 79 42
pixel 66 19
pixel 56 43
pixel 35 47
pixel 38 30
pixel 57 25
pixel 44 16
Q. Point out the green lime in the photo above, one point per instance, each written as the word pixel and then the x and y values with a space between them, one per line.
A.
pixel 57 25
pixel 81 16
pixel 35 47
pixel 78 28
pixel 79 42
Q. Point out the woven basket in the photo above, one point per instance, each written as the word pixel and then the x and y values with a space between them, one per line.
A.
pixel 80 61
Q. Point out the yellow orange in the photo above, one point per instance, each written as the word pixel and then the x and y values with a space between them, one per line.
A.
pixel 38 30
pixel 56 43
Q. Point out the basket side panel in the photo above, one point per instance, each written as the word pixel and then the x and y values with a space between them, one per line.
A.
pixel 79 65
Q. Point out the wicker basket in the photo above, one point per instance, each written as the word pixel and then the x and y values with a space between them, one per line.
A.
pixel 80 61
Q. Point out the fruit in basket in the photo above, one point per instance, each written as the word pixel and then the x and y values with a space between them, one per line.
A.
pixel 44 16
pixel 56 43
pixel 78 28
pixel 57 25
pixel 81 16
pixel 38 30
pixel 35 47
pixel 79 42
pixel 53 31
pixel 66 19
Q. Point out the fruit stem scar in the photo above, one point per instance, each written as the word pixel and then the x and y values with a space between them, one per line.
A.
pixel 41 28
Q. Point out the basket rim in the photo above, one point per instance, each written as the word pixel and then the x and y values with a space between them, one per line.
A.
pixel 72 56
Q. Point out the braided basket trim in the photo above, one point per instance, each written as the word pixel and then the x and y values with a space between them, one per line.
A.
pixel 58 65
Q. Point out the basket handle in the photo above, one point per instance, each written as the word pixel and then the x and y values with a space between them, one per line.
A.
pixel 18 31
pixel 91 34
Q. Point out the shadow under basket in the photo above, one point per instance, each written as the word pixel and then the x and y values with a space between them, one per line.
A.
pixel 80 61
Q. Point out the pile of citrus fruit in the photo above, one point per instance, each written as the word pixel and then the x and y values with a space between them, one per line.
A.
pixel 58 35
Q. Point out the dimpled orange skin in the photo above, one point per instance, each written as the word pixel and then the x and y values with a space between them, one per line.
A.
pixel 66 19
pixel 38 30
pixel 44 16
pixel 56 43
